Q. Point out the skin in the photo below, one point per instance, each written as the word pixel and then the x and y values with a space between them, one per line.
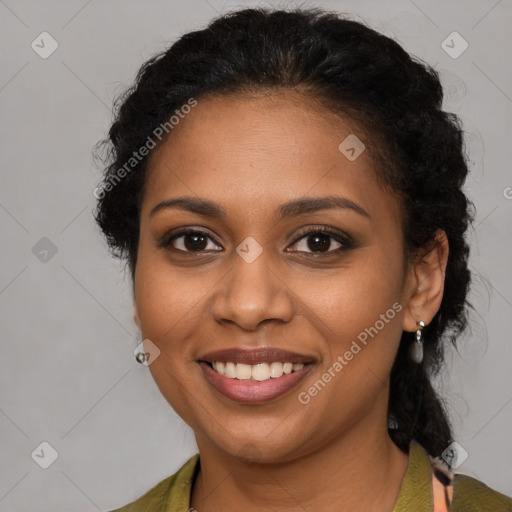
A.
pixel 250 155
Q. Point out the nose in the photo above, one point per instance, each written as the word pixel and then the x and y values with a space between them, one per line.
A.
pixel 251 294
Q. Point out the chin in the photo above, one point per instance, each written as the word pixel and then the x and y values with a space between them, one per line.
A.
pixel 261 448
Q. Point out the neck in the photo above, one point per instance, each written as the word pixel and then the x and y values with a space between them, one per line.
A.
pixel 363 470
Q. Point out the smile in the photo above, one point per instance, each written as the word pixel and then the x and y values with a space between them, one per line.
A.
pixel 254 376
pixel 259 372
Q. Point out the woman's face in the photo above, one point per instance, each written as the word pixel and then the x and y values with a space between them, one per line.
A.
pixel 253 282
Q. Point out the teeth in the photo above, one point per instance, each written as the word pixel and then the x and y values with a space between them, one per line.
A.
pixel 243 371
pixel 220 367
pixel 260 371
pixel 276 370
pixel 230 370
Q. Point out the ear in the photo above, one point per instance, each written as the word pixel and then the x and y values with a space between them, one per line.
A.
pixel 136 317
pixel 425 283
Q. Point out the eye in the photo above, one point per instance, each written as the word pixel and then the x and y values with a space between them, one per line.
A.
pixel 189 240
pixel 320 240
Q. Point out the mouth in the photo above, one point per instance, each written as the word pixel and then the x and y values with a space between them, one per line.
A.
pixel 259 372
pixel 254 376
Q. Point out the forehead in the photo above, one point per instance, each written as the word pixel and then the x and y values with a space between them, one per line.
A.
pixel 260 150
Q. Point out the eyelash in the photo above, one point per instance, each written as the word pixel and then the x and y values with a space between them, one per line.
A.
pixel 344 239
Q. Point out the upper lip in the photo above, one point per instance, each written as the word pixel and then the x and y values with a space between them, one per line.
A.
pixel 254 356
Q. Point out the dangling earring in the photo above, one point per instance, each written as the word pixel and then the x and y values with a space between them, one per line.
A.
pixel 416 349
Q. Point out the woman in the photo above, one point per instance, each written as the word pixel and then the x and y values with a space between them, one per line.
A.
pixel 288 194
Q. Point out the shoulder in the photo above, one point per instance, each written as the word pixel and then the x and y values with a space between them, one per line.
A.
pixel 173 490
pixel 154 499
pixel 467 494
pixel 472 495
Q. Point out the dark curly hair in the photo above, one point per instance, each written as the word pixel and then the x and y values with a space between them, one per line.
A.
pixel 364 76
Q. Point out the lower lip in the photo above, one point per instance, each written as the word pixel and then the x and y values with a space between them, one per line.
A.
pixel 253 391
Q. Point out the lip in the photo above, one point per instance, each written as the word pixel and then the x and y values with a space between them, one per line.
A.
pixel 253 391
pixel 255 356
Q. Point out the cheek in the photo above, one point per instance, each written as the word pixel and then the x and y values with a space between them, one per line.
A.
pixel 168 305
pixel 361 310
pixel 166 299
pixel 354 298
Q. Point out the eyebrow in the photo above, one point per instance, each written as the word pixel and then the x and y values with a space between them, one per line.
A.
pixel 289 209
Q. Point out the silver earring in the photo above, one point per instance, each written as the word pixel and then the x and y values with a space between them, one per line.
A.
pixel 416 348
pixel 140 357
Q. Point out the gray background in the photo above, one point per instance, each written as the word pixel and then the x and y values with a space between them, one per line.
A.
pixel 67 371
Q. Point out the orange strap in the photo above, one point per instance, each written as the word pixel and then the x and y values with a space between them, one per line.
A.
pixel 442 492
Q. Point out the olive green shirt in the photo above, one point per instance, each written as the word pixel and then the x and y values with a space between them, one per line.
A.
pixel 469 494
